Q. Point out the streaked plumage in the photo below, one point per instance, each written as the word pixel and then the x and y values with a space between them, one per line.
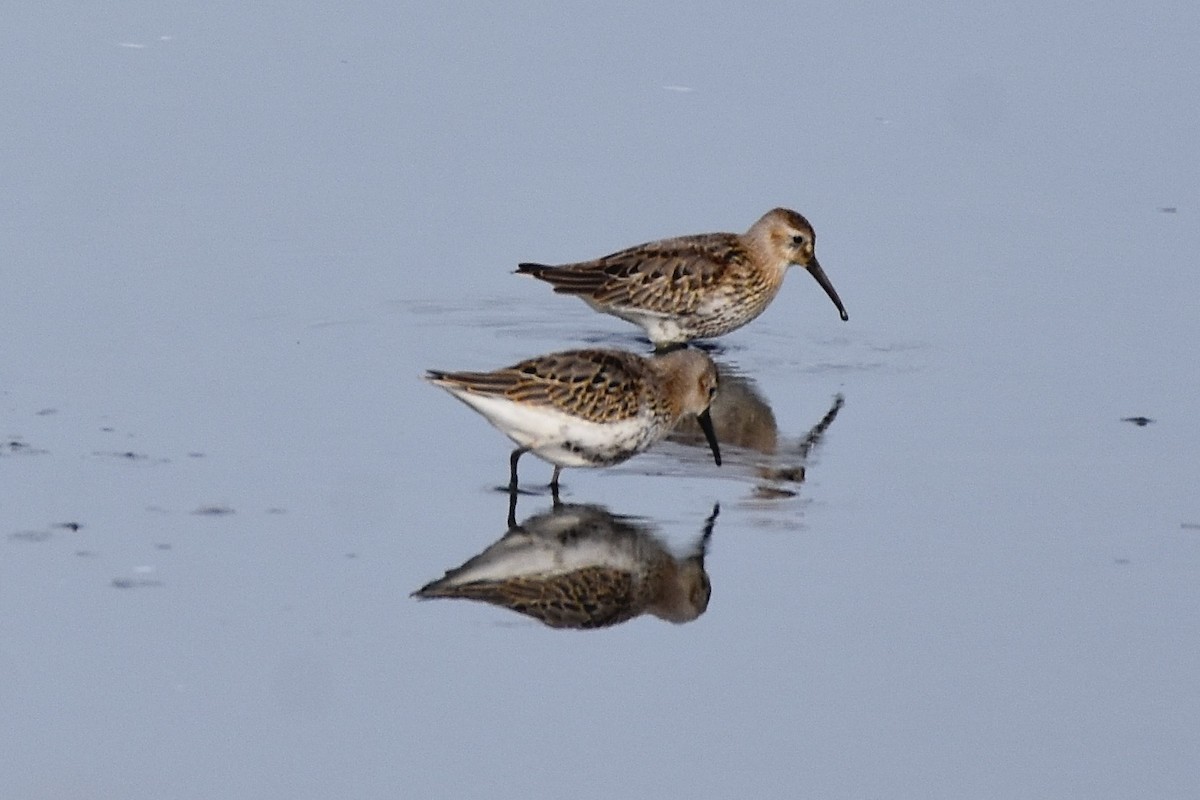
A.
pixel 580 566
pixel 589 408
pixel 694 287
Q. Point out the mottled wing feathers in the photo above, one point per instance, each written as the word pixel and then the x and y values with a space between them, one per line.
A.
pixel 594 385
pixel 669 277
pixel 490 383
pixel 592 597
pixel 566 280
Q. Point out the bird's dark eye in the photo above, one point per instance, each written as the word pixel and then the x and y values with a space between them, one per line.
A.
pixel 798 240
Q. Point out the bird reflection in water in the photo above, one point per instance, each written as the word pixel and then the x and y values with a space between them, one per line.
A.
pixel 742 418
pixel 580 566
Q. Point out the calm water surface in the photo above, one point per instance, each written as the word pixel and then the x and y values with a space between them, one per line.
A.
pixel 943 566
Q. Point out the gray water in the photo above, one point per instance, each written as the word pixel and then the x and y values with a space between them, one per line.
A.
pixel 233 237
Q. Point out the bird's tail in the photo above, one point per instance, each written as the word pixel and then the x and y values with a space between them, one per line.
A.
pixel 535 270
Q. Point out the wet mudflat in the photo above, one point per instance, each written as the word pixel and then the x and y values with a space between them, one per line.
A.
pixel 944 555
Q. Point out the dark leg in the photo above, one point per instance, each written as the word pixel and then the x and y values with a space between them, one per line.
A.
pixel 708 524
pixel 512 509
pixel 554 480
pixel 512 467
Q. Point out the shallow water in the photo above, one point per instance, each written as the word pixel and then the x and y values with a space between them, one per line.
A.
pixel 943 564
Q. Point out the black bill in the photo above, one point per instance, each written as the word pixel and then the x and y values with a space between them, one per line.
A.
pixel 706 425
pixel 814 267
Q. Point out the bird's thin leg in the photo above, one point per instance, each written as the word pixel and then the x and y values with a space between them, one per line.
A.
pixel 512 508
pixel 554 481
pixel 512 467
pixel 708 525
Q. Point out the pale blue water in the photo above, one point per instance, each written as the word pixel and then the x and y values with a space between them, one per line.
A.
pixel 229 252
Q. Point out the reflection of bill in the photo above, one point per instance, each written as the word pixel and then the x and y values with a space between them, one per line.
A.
pixel 580 566
pixel 742 418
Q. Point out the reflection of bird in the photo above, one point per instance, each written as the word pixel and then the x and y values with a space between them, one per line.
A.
pixel 579 566
pixel 694 287
pixel 742 418
pixel 589 408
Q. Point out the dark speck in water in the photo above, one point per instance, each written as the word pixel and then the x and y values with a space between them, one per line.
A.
pixel 125 455
pixel 29 536
pixel 213 511
pixel 1141 422
pixel 68 526
pixel 134 583
pixel 17 447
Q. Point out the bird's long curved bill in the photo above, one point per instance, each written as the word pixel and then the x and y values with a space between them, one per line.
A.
pixel 706 425
pixel 815 268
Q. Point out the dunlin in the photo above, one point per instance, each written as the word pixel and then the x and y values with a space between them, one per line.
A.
pixel 580 566
pixel 694 287
pixel 589 408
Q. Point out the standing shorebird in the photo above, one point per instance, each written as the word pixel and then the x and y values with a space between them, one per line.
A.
pixel 589 408
pixel 694 287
